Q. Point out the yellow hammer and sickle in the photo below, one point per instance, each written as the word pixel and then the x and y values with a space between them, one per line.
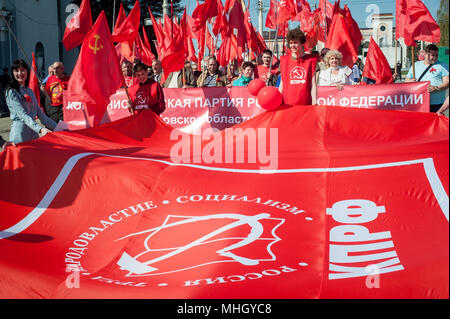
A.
pixel 95 48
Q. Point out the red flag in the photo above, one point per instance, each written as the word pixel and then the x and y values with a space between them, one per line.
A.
pixel 160 48
pixel 187 36
pixel 121 16
pixel 377 66
pixel 78 27
pixel 228 51
pixel 312 35
pixel 129 28
pixel 339 38
pixel 353 28
pixel 174 57
pixel 253 42
pixel 204 12
pixel 124 52
pixel 209 42
pixel 228 5
pixel 221 23
pixel 34 82
pixel 97 74
pixel 286 11
pixel 326 12
pixel 143 51
pixel 236 20
pixel 303 14
pixel 272 16
pixel 201 39
pixel 168 27
pixel 415 22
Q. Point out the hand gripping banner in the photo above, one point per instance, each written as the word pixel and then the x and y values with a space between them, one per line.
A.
pixel 337 203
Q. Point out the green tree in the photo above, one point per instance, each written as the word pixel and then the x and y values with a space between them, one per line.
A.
pixel 442 20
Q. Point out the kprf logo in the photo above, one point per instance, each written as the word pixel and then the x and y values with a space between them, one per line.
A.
pixel 298 75
pixel 187 242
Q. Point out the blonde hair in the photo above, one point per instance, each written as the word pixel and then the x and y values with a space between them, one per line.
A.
pixel 331 53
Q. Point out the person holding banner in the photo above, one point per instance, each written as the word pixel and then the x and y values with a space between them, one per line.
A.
pixel 298 80
pixel 212 77
pixel 430 69
pixel 336 74
pixel 247 74
pixel 147 93
pixel 24 108
pixel 443 108
pixel 263 69
pixel 4 144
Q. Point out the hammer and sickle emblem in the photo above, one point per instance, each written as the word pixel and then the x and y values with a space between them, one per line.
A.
pixel 95 48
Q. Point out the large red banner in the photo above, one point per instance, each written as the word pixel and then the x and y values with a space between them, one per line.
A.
pixel 194 110
pixel 339 203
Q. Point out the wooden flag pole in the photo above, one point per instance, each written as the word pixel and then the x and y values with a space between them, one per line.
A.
pixel 413 64
pixel 114 15
pixel 396 45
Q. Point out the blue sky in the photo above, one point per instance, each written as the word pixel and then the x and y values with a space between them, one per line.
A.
pixel 357 7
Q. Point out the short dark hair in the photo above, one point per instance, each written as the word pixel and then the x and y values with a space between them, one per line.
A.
pixel 267 51
pixel 296 34
pixel 248 64
pixel 431 47
pixel 139 67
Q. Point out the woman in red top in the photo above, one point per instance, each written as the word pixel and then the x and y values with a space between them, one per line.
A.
pixel 298 83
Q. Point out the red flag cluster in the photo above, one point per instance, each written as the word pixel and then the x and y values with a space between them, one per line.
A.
pixel 231 22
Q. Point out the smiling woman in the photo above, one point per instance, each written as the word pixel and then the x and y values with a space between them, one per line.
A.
pixel 24 107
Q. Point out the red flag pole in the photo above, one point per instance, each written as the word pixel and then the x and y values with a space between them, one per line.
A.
pixel 413 66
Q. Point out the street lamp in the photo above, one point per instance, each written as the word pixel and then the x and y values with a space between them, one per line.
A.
pixel 165 7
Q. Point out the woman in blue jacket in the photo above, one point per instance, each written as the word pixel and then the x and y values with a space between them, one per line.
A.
pixel 24 107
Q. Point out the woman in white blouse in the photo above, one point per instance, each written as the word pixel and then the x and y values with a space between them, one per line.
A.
pixel 336 74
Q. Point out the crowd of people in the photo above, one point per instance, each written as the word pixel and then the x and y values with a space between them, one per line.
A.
pixel 296 74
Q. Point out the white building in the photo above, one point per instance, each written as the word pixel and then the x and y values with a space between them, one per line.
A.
pixel 383 33
pixel 39 27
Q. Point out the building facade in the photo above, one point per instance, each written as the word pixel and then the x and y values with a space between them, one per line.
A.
pixel 383 33
pixel 38 26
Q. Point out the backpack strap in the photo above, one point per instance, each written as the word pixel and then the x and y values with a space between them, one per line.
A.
pixel 424 72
